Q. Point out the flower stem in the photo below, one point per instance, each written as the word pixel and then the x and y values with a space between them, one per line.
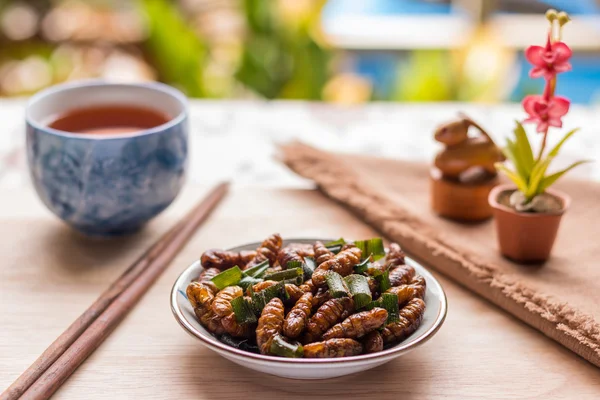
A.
pixel 539 157
pixel 548 94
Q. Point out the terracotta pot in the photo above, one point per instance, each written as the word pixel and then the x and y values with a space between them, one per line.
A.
pixel 526 237
pixel 458 201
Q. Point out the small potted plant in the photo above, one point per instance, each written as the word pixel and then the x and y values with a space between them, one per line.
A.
pixel 528 215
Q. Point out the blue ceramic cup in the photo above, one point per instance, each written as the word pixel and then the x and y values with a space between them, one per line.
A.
pixel 107 184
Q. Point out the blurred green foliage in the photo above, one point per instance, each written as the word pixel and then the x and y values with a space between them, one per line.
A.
pixel 177 52
pixel 281 59
pixel 425 76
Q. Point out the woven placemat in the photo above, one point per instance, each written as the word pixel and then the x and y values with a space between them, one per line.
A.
pixel 561 298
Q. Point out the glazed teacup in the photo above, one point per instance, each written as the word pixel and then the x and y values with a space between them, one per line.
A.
pixel 107 184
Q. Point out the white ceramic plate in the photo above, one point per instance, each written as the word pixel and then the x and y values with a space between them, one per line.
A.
pixel 303 368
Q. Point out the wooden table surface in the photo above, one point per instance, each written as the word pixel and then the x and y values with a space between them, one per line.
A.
pixel 49 275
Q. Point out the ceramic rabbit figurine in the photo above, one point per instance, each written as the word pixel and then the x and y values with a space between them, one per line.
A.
pixel 464 173
pixel 464 153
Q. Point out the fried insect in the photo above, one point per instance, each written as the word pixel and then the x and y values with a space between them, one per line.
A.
pixel 267 250
pixel 270 324
pixel 419 281
pixel 358 325
pixel 410 318
pixel 298 317
pixel 236 329
pixel 201 297
pixel 207 274
pixel 329 314
pixel 294 292
pixel 320 297
pixel 257 287
pixel 210 321
pixel 221 305
pixel 405 293
pixel 347 246
pixel 373 286
pixel 333 348
pixel 343 263
pixel 372 343
pixel 401 275
pixel 395 256
pixel 322 253
pixel 275 268
pixel 303 249
pixel 287 255
pixel 308 286
pixel 223 259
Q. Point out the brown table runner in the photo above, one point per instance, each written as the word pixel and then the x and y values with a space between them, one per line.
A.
pixel 560 299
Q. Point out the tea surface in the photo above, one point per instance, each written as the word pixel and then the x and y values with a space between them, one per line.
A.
pixel 109 119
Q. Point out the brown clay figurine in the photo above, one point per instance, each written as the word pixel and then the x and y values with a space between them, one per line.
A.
pixel 464 171
pixel 463 153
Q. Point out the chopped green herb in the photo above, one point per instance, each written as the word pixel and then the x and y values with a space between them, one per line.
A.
pixel 389 301
pixel 339 242
pixel 285 274
pixel 373 247
pixel 294 265
pixel 260 299
pixel 308 267
pixel 384 281
pixel 282 348
pixel 243 311
pixel 359 288
pixel 337 286
pixel 335 246
pixel 228 277
pixel 371 305
pixel 295 281
pixel 248 281
pixel 258 270
pixel 363 266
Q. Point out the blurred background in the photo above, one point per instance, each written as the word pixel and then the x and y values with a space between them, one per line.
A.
pixel 344 51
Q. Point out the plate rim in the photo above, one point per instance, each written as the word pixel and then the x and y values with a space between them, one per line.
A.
pixel 215 345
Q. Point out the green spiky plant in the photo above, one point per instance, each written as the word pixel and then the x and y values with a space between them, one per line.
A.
pixel 530 173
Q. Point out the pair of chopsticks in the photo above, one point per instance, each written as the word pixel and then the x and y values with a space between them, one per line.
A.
pixel 74 345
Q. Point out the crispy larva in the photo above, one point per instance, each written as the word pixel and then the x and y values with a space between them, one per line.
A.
pixel 372 343
pixel 343 263
pixel 322 253
pixel 287 255
pixel 223 259
pixel 297 318
pixel 267 250
pixel 270 324
pixel 333 348
pixel 358 325
pixel 330 313
pixel 410 319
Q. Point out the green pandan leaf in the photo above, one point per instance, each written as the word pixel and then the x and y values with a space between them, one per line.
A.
pixel 550 179
pixel 537 174
pixel 512 153
pixel 523 148
pixel 556 148
pixel 513 176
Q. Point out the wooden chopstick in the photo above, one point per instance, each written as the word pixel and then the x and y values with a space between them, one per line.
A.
pixel 74 345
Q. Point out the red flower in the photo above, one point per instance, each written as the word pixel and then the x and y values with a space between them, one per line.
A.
pixel 544 111
pixel 550 60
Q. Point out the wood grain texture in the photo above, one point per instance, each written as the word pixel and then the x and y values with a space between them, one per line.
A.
pixel 50 274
